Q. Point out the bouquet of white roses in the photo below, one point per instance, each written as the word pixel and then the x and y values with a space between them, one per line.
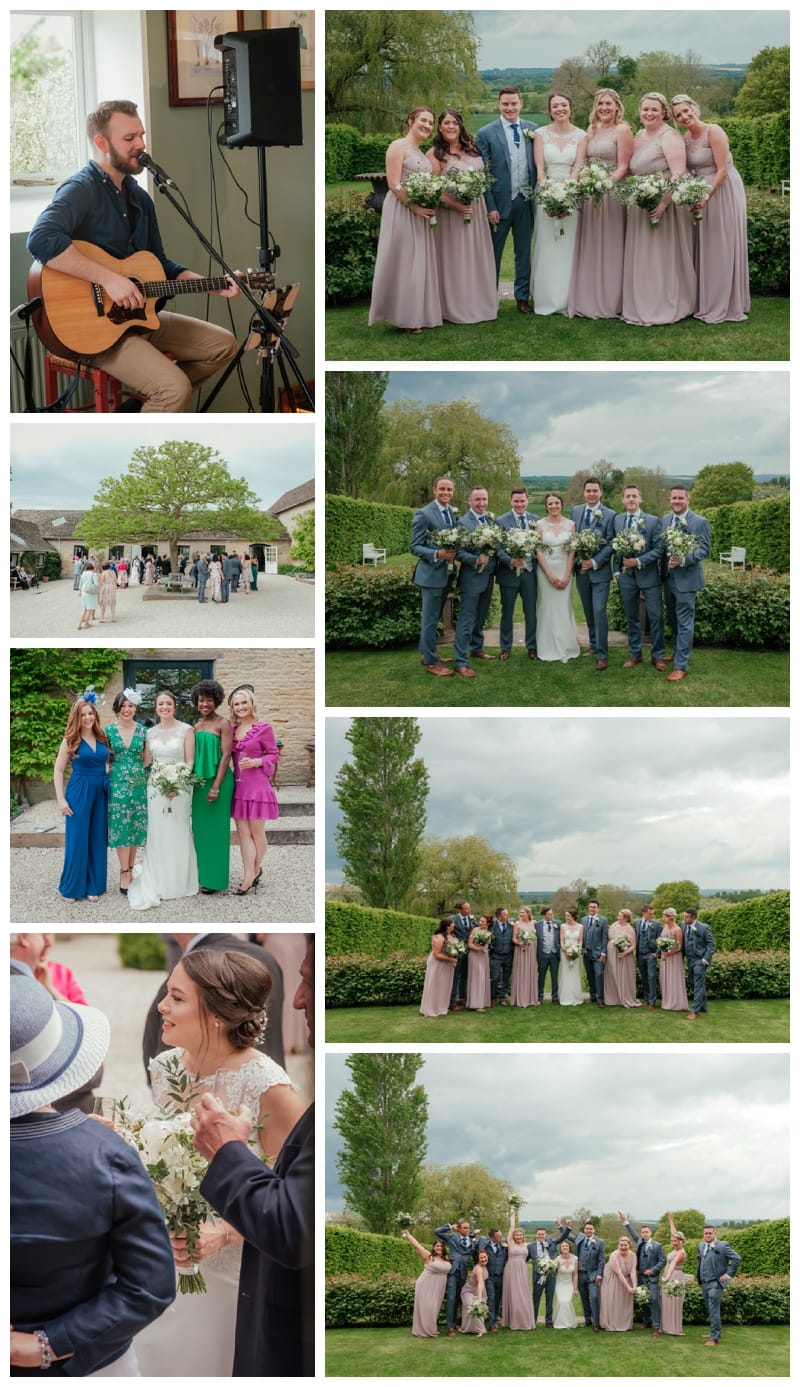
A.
pixel 668 944
pixel 594 181
pixel 645 190
pixel 688 191
pixel 515 1202
pixel 174 778
pixel 484 539
pixel 482 936
pixel 527 936
pixel 559 197
pixel 585 543
pixel 466 186
pixel 628 543
pixel 572 949
pixel 620 943
pixel 674 1289
pixel 642 1295
pixel 546 1266
pixel 678 541
pixel 454 948
pixel 425 189
pixel 478 1310
pixel 403 1220
pixel 521 544
pixel 445 539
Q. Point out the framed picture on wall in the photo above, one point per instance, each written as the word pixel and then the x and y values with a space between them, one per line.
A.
pixel 304 21
pixel 194 64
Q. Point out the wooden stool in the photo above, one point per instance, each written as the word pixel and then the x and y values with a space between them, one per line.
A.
pixel 107 390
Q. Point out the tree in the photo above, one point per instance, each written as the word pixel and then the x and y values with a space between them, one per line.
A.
pixel 612 899
pixel 654 485
pixel 451 437
pixel 168 491
pixel 607 474
pixel 354 429
pixel 383 1120
pixel 626 74
pixel 721 483
pixel 576 896
pixel 382 793
pixel 670 73
pixel 449 1192
pixel 690 1222
pixel 303 541
pixel 681 895
pixel 766 86
pixel 44 685
pixel 377 62
pixel 457 869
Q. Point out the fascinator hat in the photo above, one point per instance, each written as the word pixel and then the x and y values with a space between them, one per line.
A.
pixel 56 1048
pixel 247 688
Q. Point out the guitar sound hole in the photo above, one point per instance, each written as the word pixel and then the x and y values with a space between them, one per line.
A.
pixel 118 315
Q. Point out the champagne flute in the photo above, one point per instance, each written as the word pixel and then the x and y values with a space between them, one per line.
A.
pixel 105 1108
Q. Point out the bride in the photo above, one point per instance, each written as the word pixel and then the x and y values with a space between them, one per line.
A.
pixel 570 987
pixel 169 866
pixel 566 1289
pixel 213 1015
pixel 556 636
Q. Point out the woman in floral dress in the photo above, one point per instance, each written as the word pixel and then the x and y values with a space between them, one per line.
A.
pixel 127 795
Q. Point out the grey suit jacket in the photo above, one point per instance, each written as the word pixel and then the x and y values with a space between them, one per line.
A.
pixel 650 1259
pixel 647 932
pixel 493 145
pixel 497 1254
pixel 648 574
pixel 471 578
pixel 430 572
pixel 591 1255
pixel 506 575
pixel 595 937
pixel 604 523
pixel 698 942
pixel 689 576
pixel 539 927
pixel 720 1260
pixel 459 1256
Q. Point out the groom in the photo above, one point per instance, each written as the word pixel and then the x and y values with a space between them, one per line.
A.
pixel 595 948
pixel 517 578
pixel 650 1262
pixel 506 147
pixel 591 1254
pixel 462 1247
pixel 593 575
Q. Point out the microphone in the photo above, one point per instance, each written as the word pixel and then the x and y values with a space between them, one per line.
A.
pixel 145 162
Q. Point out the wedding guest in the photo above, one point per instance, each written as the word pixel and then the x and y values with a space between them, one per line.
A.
pixel 717 1264
pixel 77 569
pixel 84 803
pixel 595 949
pixel 590 1252
pixel 405 286
pixel 647 932
pixel 463 925
pixel 254 573
pixel 438 975
pixel 212 797
pixel 570 987
pixel 595 289
pixel 89 588
pixel 507 149
pixel 127 784
pixel 149 574
pixel 255 761
pixel 496 1249
pixel 670 966
pixel 289 950
pixel 640 574
pixel 516 577
pixel 475 584
pixel 659 283
pixel 618 1289
pixel 474 1288
pixel 723 283
pixel 543 1246
pixel 429 1287
pixel 28 955
pixel 107 593
pixel 698 946
pixel 464 255
pixel 479 993
pixel 502 956
pixel 122 573
pixel 674 1275
pixel 461 1245
pixel 555 150
pixel 619 982
pixel 593 573
pixel 202 577
pixel 517 1301
pixel 524 972
pixel 432 571
pixel 650 1262
pixel 683 575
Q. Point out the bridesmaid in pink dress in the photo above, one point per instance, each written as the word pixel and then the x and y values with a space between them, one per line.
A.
pixel 479 987
pixel 464 254
pixel 474 1288
pixel 525 974
pixel 405 286
pixel 595 290
pixel 672 976
pixel 659 281
pixel 619 980
pixel 617 1289
pixel 438 973
pixel 672 1306
pixel 255 760
pixel 723 283
pixel 429 1289
pixel 517 1295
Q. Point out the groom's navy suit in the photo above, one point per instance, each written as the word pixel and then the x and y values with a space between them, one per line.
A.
pixel 475 584
pixel 547 960
pixel 460 1258
pixel 501 957
pixel 516 215
pixel 698 948
pixel 719 1260
pixel 430 573
pixel 682 584
pixel 595 951
pixel 593 587
pixel 463 926
pixel 498 1256
pixel 650 1262
pixel 591 1255
pixel 516 582
pixel 645 578
pixel 545 1283
pixel 647 932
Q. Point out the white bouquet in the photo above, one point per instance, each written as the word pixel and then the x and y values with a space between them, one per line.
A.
pixel 628 543
pixel 674 1289
pixel 172 778
pixel 482 936
pixel 466 186
pixel 572 949
pixel 688 191
pixel 403 1220
pixel 527 936
pixel 521 544
pixel 620 942
pixel 478 1310
pixel 585 543
pixel 558 198
pixel 484 539
pixel 645 190
pixel 425 189
pixel 642 1295
pixel 445 539
pixel 454 948
pixel 678 541
pixel 668 944
pixel 595 180
pixel 546 1266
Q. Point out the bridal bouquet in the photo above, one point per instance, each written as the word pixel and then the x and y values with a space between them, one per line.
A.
pixel 454 948
pixel 514 1201
pixel 521 544
pixel 688 191
pixel 572 949
pixel 678 541
pixel 645 190
pixel 527 936
pixel 585 543
pixel 628 543
pixel 668 944
pixel 484 539
pixel 425 189
pixel 482 936
pixel 404 1220
pixel 594 181
pixel 675 1289
pixel 466 186
pixel 620 943
pixel 478 1310
pixel 173 779
pixel 547 1266
pixel 642 1295
pixel 445 539
pixel 559 198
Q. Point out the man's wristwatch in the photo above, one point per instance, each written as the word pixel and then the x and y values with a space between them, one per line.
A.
pixel 47 1352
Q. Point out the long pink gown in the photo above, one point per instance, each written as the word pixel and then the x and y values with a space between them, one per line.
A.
pixel 619 980
pixel 616 1304
pixel 438 986
pixel 517 1296
pixel 672 1306
pixel 465 257
pixel 405 286
pixel 659 281
pixel 672 980
pixel 479 988
pixel 595 289
pixel 429 1291
pixel 525 977
pixel 471 1291
pixel 723 283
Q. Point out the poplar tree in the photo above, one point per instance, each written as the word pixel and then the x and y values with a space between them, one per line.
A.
pixel 383 1120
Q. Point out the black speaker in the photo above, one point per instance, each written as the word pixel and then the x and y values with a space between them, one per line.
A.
pixel 262 94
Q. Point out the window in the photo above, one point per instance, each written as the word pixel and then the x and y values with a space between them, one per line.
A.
pixel 151 676
pixel 47 96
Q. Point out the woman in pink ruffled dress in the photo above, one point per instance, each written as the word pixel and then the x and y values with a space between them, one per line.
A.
pixel 255 760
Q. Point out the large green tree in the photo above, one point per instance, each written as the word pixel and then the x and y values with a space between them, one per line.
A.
pixel 766 86
pixel 457 869
pixel 44 685
pixel 169 490
pixel 379 64
pixel 451 437
pixel 383 1119
pixel 303 541
pixel 722 483
pixel 690 1222
pixel 468 1191
pixel 354 429
pixel 681 895
pixel 382 791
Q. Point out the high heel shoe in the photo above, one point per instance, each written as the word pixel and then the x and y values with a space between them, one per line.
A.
pixel 256 879
pixel 252 887
pixel 126 872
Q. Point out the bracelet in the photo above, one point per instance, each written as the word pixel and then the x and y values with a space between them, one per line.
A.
pixel 44 1344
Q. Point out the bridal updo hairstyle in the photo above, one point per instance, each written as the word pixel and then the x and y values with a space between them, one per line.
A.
pixel 232 988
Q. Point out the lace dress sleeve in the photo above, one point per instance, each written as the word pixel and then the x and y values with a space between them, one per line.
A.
pixel 258 1076
pixel 158 1078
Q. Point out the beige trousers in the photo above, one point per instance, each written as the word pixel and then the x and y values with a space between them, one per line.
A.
pixel 200 349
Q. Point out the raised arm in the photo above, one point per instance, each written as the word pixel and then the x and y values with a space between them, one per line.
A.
pixel 418 1248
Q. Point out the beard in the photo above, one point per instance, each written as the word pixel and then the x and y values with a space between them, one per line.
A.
pixel 122 162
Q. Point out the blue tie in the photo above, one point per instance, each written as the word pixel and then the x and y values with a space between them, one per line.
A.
pixel 629 522
pixel 515 128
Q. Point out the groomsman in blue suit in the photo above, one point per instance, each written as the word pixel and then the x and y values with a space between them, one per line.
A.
pixel 595 949
pixel 506 146
pixel 462 1247
pixel 544 1246
pixel 517 578
pixel 591 1254
pixel 475 582
pixel 464 923
pixel 684 577
pixel 717 1263
pixel 641 573
pixel 501 956
pixel 650 1262
pixel 548 953
pixel 647 931
pixel 698 949
pixel 593 576
pixel 432 570
pixel 497 1252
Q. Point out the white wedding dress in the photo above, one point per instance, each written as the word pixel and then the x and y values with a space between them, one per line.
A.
pixel 169 866
pixel 570 985
pixel 195 1336
pixel 564 1316
pixel 552 250
pixel 556 636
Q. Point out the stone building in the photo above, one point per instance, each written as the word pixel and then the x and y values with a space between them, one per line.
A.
pixel 292 504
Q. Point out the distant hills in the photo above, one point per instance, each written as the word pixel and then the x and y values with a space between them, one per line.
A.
pixel 535 482
pixel 538 75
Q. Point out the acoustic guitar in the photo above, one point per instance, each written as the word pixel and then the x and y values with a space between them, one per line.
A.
pixel 78 319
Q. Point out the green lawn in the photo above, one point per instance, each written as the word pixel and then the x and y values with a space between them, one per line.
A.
pixel 728 1022
pixel 717 679
pixel 745 1351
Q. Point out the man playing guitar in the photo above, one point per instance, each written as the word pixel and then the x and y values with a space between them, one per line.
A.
pixel 104 205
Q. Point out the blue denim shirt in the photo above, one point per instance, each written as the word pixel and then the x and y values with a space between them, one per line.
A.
pixel 90 207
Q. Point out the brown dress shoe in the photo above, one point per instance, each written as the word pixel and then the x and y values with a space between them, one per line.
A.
pixel 602 664
pixel 532 655
pixel 659 664
pixel 441 671
pixel 505 654
pixel 442 660
pixel 523 306
pixel 691 1016
pixel 634 660
pixel 678 674
pixel 482 655
pixel 464 671
pixel 451 1334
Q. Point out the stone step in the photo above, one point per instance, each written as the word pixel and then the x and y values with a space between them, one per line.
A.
pixel 285 832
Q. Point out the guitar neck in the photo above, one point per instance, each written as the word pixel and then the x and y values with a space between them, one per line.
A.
pixel 168 288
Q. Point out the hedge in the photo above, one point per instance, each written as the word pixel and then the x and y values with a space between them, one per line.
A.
pixel 764 1248
pixel 142 951
pixel 351 244
pixel 364 929
pixel 760 923
pixel 349 524
pixel 768 243
pixel 761 527
pixel 739 975
pixel 746 611
pixel 759 147
pixel 347 152
pixel 388 1301
pixel 368 606
pixel 368 1254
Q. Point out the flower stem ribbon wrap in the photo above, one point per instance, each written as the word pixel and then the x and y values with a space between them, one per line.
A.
pixel 644 190
pixel 426 190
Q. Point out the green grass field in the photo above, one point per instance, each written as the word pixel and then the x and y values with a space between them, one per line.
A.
pixel 744 1351
pixel 729 1022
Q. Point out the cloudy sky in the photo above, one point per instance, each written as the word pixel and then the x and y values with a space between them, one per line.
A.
pixel 628 801
pixel 525 38
pixel 677 420
pixel 708 1132
pixel 57 463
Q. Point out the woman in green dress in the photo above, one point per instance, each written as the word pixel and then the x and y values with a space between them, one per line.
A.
pixel 253 573
pixel 211 799
pixel 127 792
